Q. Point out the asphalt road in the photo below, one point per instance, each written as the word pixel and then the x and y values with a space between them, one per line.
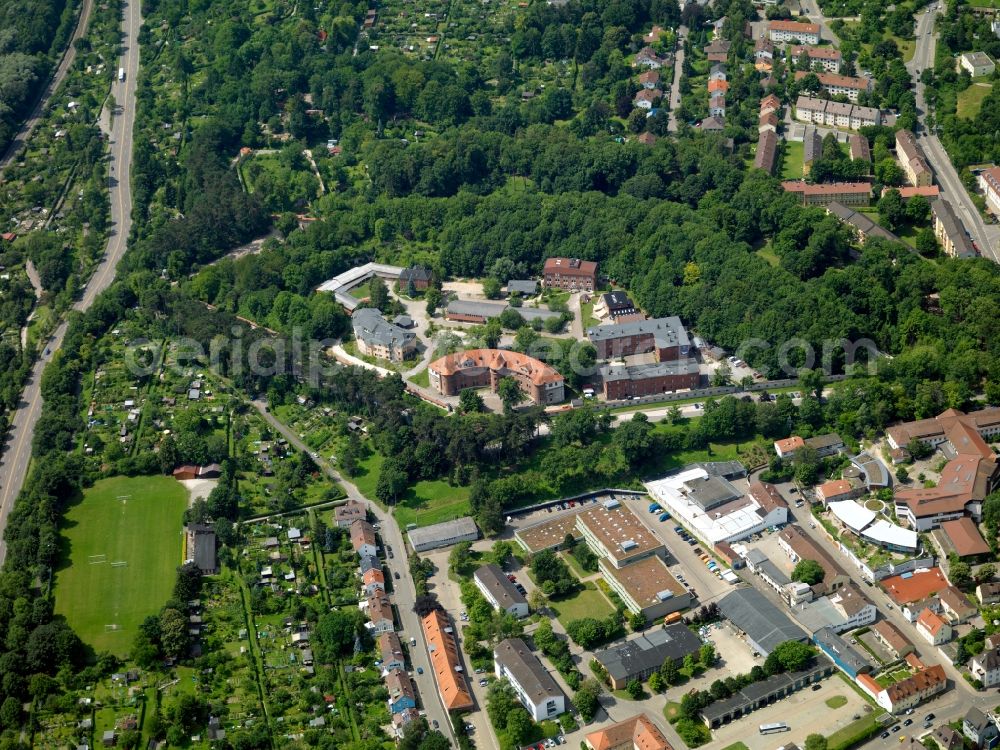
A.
pixel 69 55
pixel 951 186
pixel 675 88
pixel 17 451
pixel 403 595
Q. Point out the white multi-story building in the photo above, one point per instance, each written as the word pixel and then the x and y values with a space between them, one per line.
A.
pixel 976 63
pixel 793 31
pixel 532 683
pixel 499 591
pixel 985 667
pixel 989 183
pixel 827 57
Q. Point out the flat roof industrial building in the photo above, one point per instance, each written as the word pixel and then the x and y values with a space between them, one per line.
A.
pixel 444 534
pixel 647 586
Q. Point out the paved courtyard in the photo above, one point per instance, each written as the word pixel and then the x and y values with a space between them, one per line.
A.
pixel 805 712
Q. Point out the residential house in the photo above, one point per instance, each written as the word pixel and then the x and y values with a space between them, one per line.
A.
pixel 907 693
pixel 863 226
pixel 614 304
pixel 985 667
pixel 647 57
pixel 763 55
pixel 499 591
pixel 847 193
pixel 950 232
pixel 976 64
pixel 933 628
pixel 717 105
pixel 446 661
pixel 714 123
pixel 860 149
pixel 379 613
pixel 634 733
pixel 980 729
pixel 988 593
pixel 956 605
pixel 947 738
pixel 828 58
pixel 532 683
pixel 718 50
pixel 893 640
pixel 989 183
pixel 345 515
pixel 836 490
pixel 390 652
pixel 911 158
pixel 770 103
pixel 373 581
pixel 835 84
pixel 646 98
pixel 717 72
pixel 650 79
pixel 767 148
pixel 363 539
pixel 793 31
pixel 812 149
pixel 401 693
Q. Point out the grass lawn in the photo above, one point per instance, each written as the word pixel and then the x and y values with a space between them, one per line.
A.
pixel 906 46
pixel 836 701
pixel 791 162
pixel 422 378
pixel 768 254
pixel 574 565
pixel 854 732
pixel 587 314
pixel 426 503
pixel 144 532
pixel 736 746
pixel 672 711
pixel 970 101
pixel 588 602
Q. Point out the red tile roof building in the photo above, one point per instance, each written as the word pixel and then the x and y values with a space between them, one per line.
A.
pixel 571 274
pixel 446 662
pixel 477 368
pixel 847 193
pixel 635 733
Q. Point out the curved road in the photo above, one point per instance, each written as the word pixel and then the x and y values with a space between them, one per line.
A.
pixel 17 451
pixel 69 56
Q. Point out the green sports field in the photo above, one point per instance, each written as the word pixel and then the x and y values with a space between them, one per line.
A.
pixel 124 543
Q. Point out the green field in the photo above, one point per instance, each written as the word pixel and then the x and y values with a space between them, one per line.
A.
pixel 791 162
pixel 970 101
pixel 143 530
pixel 428 502
pixel 587 602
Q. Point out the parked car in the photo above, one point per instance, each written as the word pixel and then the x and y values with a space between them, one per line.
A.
pixel 420 670
pixel 907 722
pixel 884 735
pixel 396 575
pixel 929 717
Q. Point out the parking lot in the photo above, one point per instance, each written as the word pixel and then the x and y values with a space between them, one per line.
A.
pixel 805 712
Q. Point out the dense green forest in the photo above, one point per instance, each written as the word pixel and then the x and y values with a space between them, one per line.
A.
pixel 33 33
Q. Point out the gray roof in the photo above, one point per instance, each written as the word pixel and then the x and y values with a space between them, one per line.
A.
pixel 724 469
pixel 666 331
pixel 371 327
pixel 860 222
pixel 812 146
pixel 710 491
pixel 617 299
pixel 417 273
pixel 837 647
pixel 525 668
pixel 755 557
pixel 441 533
pixel 976 719
pixel 762 621
pixel 820 442
pixel 474 307
pixel 773 572
pixel 944 213
pixel 502 590
pixel 648 651
pixel 876 473
pixel 713 123
pixel 369 563
pixel 616 372
pixel 494 309
pixel 718 68
pixel 522 286
pixel 204 546
pixel 750 696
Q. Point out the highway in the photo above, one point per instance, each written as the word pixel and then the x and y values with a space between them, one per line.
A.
pixel 69 55
pixel 404 594
pixel 946 176
pixel 17 451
